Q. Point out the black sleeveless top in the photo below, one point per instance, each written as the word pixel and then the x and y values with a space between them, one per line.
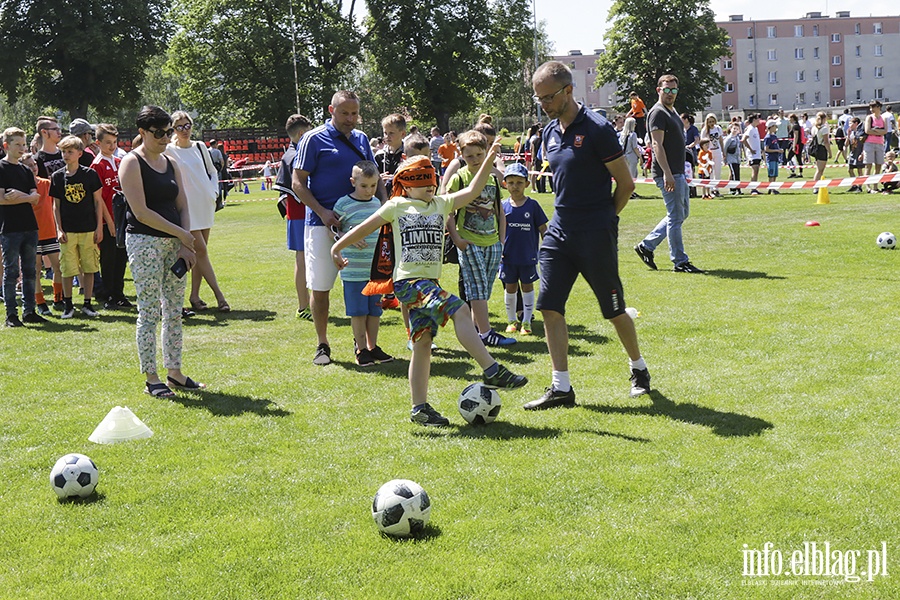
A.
pixel 160 192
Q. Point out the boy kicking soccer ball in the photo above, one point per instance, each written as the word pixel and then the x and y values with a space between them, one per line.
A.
pixel 418 218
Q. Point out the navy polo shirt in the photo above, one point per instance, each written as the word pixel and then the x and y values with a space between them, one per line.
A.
pixel 583 185
pixel 329 161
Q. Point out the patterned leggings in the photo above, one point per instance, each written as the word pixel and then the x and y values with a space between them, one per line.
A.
pixel 160 296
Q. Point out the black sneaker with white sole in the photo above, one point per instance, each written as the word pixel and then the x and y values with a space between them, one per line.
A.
pixel 551 399
pixel 323 355
pixel 640 382
pixel 687 267
pixel 646 256
pixel 504 378
pixel 426 415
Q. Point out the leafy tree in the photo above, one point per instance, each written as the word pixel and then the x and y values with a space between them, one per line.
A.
pixel 649 39
pixel 79 53
pixel 234 57
pixel 443 53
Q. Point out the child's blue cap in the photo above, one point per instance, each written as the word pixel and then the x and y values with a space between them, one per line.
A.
pixel 517 169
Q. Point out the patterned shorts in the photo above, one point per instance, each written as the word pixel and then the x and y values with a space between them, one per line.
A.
pixel 430 307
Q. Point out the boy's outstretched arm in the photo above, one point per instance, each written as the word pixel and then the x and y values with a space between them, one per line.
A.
pixel 473 190
pixel 358 233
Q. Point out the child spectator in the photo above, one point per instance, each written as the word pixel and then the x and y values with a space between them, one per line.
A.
pixel 48 157
pixel 388 159
pixel 364 311
pixel 18 229
pixel 78 208
pixel 418 218
pixel 773 153
pixel 448 150
pixel 705 166
pixel 525 225
pixel 890 166
pixel 48 245
pixel 295 211
pixel 854 156
pixel 112 258
pixel 476 231
pixel 416 144
pixel 732 146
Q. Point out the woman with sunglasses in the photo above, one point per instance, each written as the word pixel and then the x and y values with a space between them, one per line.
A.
pixel 158 237
pixel 201 188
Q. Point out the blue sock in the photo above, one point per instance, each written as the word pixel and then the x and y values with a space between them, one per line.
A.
pixel 418 407
pixel 492 370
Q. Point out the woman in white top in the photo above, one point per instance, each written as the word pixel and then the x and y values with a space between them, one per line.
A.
pixel 823 146
pixel 715 135
pixel 201 186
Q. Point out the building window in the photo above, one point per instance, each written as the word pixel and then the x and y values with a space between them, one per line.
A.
pixel 836 82
pixel 728 42
pixel 798 53
pixel 798 30
pixel 752 100
pixel 879 93
pixel 835 38
pixel 856 29
pixel 878 50
pixel 816 97
pixel 836 59
pixel 879 72
pixel 815 53
pixel 816 75
pixel 772 55
pixel 729 87
pixel 773 99
pixel 815 31
pixel 770 31
pixel 876 28
pixel 801 76
pixel 773 76
pixel 859 72
pixel 728 65
pixel 751 77
pixel 749 33
pixel 801 98
pixel 858 51
pixel 859 94
pixel 750 55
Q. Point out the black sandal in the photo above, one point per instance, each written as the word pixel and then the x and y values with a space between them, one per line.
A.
pixel 159 390
pixel 189 384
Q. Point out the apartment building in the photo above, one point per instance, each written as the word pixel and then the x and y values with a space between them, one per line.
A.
pixel 808 63
pixel 584 78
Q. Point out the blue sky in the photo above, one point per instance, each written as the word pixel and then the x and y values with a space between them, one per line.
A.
pixel 580 24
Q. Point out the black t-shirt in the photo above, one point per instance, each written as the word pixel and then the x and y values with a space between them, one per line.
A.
pixel 76 198
pixel 49 163
pixel 16 217
pixel 668 121
pixel 86 158
pixel 388 161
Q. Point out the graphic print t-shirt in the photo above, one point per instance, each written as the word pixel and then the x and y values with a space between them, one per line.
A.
pixel 418 235
pixel 49 163
pixel 76 198
pixel 478 222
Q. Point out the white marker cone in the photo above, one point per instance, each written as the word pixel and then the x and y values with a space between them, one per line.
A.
pixel 120 425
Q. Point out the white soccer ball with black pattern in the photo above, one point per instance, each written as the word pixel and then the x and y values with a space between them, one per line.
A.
pixel 886 241
pixel 478 404
pixel 74 476
pixel 401 508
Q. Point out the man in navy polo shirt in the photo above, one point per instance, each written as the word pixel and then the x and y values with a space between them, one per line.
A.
pixel 582 236
pixel 322 169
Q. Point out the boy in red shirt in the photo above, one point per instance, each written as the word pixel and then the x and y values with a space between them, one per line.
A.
pixel 112 258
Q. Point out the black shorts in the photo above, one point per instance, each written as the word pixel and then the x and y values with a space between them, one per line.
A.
pixel 754 161
pixel 592 254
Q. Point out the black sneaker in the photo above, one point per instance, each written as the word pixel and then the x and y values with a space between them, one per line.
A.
pixel 427 416
pixel 646 256
pixel 551 399
pixel 363 358
pixel 13 321
pixel 43 309
pixel 323 355
pixel 687 267
pixel 31 317
pixel 380 355
pixel 504 378
pixel 59 306
pixel 640 382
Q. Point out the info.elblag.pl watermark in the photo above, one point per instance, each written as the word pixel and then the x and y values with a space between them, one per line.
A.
pixel 813 563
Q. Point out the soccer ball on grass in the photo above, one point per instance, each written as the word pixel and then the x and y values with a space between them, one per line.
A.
pixel 401 508
pixel 74 476
pixel 886 241
pixel 478 404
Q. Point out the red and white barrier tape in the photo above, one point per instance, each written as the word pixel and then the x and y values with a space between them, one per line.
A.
pixel 789 185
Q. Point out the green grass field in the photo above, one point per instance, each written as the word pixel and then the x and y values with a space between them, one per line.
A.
pixel 773 419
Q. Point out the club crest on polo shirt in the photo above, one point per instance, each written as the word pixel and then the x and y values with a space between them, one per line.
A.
pixel 579 140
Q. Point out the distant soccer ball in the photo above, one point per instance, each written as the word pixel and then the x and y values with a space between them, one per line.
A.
pixel 886 240
pixel 74 476
pixel 401 508
pixel 479 404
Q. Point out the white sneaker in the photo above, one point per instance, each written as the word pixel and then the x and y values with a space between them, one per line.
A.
pixel 89 311
pixel 68 313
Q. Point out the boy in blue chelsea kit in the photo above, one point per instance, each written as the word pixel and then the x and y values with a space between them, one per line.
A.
pixel 364 311
pixel 525 225
pixel 418 218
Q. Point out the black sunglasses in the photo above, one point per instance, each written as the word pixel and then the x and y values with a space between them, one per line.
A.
pixel 161 133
